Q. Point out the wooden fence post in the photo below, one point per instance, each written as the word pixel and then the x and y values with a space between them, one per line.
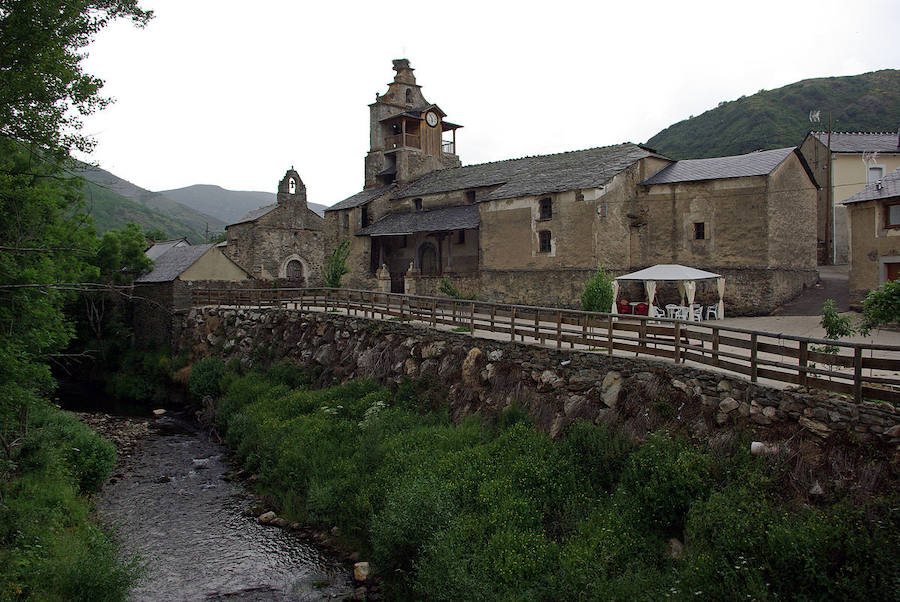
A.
pixel 677 342
pixel 715 344
pixel 512 324
pixel 559 330
pixel 803 363
pixel 609 334
pixel 472 320
pixel 754 346
pixel 857 374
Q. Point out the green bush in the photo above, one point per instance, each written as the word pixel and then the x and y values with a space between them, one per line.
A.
pixel 598 454
pixel 598 293
pixel 205 377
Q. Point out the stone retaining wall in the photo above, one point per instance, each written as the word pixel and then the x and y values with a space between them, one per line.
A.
pixel 556 386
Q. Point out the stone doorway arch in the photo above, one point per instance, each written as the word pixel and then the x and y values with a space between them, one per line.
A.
pixel 295 269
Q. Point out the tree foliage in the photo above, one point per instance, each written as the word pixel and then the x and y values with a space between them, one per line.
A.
pixel 598 293
pixel 881 307
pixel 336 266
pixel 44 91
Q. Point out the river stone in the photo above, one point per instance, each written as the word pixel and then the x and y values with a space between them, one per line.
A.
pixel 495 355
pixel 360 571
pixel 433 350
pixel 724 386
pixel 267 517
pixel 324 355
pixel 815 427
pixel 894 431
pixel 280 523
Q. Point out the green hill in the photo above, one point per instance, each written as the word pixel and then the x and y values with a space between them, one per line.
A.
pixel 779 118
pixel 159 203
pixel 111 210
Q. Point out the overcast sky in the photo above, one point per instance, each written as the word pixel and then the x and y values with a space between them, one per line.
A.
pixel 234 93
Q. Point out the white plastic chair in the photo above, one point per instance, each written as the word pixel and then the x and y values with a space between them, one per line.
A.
pixel 712 312
pixel 697 310
pixel 681 312
pixel 657 312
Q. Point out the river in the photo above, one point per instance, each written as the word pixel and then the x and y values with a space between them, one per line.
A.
pixel 171 504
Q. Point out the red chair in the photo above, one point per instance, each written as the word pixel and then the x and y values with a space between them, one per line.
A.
pixel 624 306
pixel 641 309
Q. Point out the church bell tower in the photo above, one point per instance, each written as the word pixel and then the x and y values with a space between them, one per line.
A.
pixel 408 136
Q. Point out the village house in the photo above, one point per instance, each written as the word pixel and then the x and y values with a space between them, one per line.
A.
pixel 855 159
pixel 532 230
pixel 874 215
pixel 285 240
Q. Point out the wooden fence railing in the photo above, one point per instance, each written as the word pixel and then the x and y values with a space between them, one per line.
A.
pixel 863 371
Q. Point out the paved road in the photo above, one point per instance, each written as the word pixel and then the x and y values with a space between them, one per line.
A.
pixel 834 283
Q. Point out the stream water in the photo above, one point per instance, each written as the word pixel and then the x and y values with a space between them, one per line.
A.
pixel 171 505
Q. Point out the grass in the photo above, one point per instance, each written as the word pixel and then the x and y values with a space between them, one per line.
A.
pixel 496 510
pixel 462 329
pixel 49 547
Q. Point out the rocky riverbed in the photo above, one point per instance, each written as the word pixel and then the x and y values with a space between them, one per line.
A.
pixel 173 504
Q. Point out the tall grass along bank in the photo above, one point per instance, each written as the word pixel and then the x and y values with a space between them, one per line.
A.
pixel 494 510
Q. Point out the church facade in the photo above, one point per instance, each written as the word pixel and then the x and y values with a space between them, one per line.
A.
pixel 532 230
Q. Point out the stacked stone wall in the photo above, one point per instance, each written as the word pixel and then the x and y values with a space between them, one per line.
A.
pixel 484 375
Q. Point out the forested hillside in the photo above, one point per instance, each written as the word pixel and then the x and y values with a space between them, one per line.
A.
pixel 778 118
pixel 227 205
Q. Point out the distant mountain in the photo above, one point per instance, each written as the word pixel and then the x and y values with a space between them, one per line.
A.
pixel 160 203
pixel 780 118
pixel 226 205
pixel 111 210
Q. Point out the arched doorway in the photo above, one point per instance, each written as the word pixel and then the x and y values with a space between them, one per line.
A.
pixel 428 260
pixel 294 270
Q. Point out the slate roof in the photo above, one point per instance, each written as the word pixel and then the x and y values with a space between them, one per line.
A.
pixel 463 217
pixel 158 248
pixel 255 214
pixel 859 142
pixel 360 198
pixel 738 166
pixel 542 174
pixel 890 187
pixel 171 264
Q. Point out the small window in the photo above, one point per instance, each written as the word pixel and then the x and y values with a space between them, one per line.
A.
pixel 364 217
pixel 603 209
pixel 418 204
pixel 345 222
pixel 892 216
pixel 403 241
pixel 875 173
pixel 409 96
pixel 461 236
pixel 470 196
pixel 546 208
pixel 579 196
pixel 544 240
pixel 699 230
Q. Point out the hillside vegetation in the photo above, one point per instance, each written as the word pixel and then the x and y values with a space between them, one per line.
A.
pixel 158 202
pixel 779 118
pixel 112 211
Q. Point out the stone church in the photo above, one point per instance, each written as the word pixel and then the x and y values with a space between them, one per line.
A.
pixel 532 230
pixel 285 240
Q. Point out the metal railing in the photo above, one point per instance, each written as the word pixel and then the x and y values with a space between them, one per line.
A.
pixel 861 370
pixel 448 146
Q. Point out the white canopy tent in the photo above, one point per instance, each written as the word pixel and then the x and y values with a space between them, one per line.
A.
pixel 686 278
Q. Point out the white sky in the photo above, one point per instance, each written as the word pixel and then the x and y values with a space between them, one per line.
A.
pixel 234 93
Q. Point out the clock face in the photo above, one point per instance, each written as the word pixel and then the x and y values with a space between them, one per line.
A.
pixel 431 118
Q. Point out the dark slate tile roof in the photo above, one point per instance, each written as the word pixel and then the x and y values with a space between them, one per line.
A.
pixel 162 246
pixel 463 217
pixel 691 170
pixel 860 142
pixel 890 187
pixel 255 214
pixel 542 174
pixel 170 265
pixel 360 198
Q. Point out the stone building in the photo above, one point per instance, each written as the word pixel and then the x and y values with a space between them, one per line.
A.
pixel 874 214
pixel 532 230
pixel 285 240
pixel 855 160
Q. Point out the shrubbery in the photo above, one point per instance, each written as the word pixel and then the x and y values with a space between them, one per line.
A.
pixel 459 511
pixel 598 293
pixel 49 549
